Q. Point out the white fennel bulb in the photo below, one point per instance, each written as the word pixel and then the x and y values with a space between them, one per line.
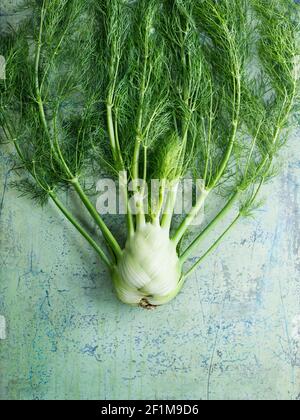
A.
pixel 149 271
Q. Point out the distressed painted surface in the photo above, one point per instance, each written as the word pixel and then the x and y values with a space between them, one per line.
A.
pixel 233 333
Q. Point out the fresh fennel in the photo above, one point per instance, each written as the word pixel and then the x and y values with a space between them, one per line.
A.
pixel 157 89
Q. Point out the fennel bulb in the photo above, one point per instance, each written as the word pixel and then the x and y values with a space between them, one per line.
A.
pixel 149 270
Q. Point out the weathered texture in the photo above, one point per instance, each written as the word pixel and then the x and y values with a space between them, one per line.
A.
pixel 233 333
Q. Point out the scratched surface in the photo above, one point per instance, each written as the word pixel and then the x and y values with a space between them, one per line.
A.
pixel 233 333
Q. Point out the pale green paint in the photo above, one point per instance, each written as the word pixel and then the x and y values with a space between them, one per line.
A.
pixel 233 333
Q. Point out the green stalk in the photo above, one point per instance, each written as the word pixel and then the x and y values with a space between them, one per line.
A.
pixel 228 206
pixel 124 190
pixel 37 68
pixel 209 138
pixel 192 247
pixel 161 197
pixel 80 229
pixel 130 223
pixel 138 140
pixel 212 248
pixel 189 218
pixel 98 219
pixel 111 132
pixel 120 157
pixel 140 217
pixel 166 220
pixel 139 204
pixel 145 164
pixel 59 153
pixel 117 156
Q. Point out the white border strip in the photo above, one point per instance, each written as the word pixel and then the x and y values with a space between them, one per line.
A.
pixel 2 328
